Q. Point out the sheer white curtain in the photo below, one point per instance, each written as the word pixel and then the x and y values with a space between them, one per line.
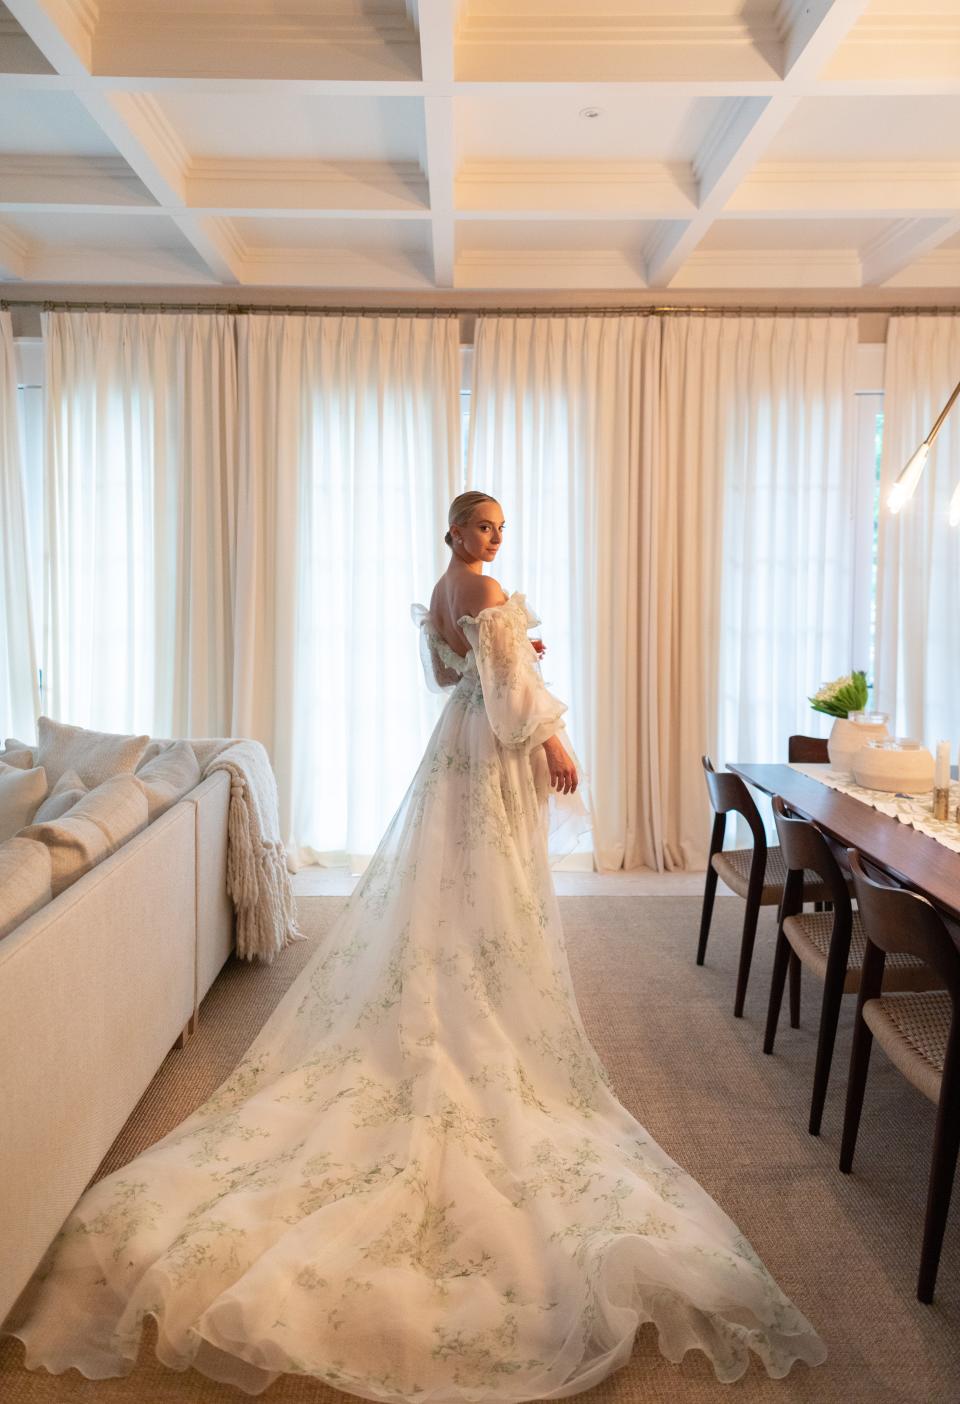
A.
pixel 349 457
pixel 783 442
pixel 683 496
pixel 140 425
pixel 918 569
pixel 19 689
pixel 562 410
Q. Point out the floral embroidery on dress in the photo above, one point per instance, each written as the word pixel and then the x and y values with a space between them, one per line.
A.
pixel 418 1179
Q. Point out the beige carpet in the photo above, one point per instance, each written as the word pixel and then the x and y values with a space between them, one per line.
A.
pixel 845 1248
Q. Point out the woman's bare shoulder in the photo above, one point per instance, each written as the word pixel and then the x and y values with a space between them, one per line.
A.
pixel 477 593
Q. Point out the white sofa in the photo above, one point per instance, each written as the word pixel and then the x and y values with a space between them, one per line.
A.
pixel 95 988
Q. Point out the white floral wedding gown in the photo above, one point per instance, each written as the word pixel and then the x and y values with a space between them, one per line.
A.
pixel 417 1184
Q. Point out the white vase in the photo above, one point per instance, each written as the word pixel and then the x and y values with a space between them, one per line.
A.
pixel 847 737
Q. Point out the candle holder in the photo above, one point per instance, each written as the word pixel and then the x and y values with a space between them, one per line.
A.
pixel 941 802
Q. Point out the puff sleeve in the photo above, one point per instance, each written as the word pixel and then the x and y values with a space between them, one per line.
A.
pixel 521 712
pixel 440 677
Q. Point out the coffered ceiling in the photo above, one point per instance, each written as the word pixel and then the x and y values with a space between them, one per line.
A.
pixel 421 145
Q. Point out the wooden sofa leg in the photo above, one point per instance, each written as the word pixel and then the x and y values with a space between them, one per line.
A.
pixel 188 1030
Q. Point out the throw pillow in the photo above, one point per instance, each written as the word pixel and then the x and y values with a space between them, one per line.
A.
pixel 95 755
pixel 21 791
pixel 168 776
pixel 67 792
pixel 24 881
pixel 95 827
pixel 18 753
pixel 153 749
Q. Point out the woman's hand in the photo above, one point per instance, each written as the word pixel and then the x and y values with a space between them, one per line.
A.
pixel 563 772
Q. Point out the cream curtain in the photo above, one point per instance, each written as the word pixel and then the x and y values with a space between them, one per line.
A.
pixel 139 506
pixel 562 411
pixel 349 456
pixel 786 446
pixel 19 688
pixel 683 497
pixel 918 568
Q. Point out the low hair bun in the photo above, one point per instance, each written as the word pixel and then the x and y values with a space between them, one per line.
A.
pixel 448 538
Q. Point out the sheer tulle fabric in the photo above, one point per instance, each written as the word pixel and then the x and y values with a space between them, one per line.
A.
pixel 417 1184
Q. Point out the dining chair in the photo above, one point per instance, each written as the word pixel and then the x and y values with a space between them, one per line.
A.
pixel 807 750
pixel 831 944
pixel 920 1034
pixel 756 874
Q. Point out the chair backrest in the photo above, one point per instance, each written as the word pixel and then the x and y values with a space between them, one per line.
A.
pixel 807 750
pixel 729 795
pixel 897 920
pixel 804 846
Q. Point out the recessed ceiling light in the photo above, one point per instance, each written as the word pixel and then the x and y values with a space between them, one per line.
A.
pixel 590 113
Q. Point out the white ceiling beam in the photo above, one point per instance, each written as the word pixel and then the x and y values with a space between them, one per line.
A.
pixel 907 241
pixel 814 29
pixel 214 240
pixel 64 32
pixel 437 21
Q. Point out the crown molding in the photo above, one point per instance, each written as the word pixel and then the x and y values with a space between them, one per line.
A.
pixel 13 165
pixel 770 268
pixel 594 26
pixel 843 172
pixel 562 172
pixel 15 242
pixel 876 28
pixel 544 269
pixel 310 187
pixel 162 135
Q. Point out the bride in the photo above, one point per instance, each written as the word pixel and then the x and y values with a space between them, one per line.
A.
pixel 418 1183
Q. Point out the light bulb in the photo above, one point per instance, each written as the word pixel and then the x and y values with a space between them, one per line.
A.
pixel 906 484
pixel 955 507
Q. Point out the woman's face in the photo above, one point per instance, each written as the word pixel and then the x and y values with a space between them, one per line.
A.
pixel 483 534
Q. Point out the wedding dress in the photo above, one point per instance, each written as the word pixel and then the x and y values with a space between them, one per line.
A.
pixel 417 1184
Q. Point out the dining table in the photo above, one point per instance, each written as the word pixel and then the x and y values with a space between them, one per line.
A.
pixel 912 859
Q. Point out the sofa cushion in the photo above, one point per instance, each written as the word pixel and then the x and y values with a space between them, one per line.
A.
pixel 169 775
pixel 21 791
pixel 152 750
pixel 18 754
pixel 95 755
pixel 24 881
pixel 67 792
pixel 95 827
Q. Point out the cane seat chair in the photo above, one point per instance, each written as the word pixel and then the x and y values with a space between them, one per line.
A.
pixel 756 874
pixel 918 1031
pixel 807 750
pixel 831 944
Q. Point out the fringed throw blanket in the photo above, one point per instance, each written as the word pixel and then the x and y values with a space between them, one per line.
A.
pixel 257 877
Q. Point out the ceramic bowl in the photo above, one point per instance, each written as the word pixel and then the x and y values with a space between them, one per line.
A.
pixel 900 771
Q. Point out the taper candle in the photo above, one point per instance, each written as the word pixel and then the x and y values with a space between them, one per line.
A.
pixel 941 780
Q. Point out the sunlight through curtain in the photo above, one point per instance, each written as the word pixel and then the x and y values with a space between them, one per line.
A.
pixel 349 457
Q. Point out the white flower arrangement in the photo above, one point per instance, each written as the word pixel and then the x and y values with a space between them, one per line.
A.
pixel 842 696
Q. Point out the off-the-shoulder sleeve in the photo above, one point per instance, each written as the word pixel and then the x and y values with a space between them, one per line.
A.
pixel 521 711
pixel 440 677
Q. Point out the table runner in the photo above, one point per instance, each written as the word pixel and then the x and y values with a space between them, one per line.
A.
pixel 914 810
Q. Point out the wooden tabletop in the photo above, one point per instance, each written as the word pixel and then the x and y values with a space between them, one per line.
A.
pixel 914 859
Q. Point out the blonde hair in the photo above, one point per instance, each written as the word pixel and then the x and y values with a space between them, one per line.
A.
pixel 462 509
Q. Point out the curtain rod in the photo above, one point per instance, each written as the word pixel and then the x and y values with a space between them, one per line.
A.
pixel 658 310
